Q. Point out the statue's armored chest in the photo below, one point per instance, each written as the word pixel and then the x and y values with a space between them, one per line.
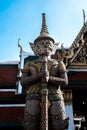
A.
pixel 52 67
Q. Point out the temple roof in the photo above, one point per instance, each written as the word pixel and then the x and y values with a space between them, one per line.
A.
pixel 76 56
pixel 9 62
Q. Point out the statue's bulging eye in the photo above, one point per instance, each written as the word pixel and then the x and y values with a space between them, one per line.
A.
pixel 38 46
pixel 47 43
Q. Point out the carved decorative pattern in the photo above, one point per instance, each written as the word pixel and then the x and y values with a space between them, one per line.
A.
pixel 82 56
pixel 77 53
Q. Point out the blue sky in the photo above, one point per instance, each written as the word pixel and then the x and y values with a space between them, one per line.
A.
pixel 23 19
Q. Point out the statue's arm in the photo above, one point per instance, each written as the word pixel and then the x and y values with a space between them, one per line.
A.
pixel 30 75
pixel 62 79
pixel 28 79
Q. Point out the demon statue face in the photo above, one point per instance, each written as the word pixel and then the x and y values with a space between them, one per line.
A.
pixel 43 47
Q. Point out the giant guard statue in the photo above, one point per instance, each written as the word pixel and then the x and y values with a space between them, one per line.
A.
pixel 42 80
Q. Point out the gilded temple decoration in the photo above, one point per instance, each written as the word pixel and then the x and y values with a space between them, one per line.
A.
pixel 76 55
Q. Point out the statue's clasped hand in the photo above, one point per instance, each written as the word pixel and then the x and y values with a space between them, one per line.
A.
pixel 45 77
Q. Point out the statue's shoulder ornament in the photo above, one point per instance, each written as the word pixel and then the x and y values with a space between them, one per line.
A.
pixel 57 64
pixel 33 64
pixel 52 64
pixel 61 66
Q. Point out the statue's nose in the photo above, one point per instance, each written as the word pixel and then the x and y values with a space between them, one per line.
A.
pixel 45 44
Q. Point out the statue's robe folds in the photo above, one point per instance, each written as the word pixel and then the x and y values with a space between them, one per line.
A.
pixel 56 105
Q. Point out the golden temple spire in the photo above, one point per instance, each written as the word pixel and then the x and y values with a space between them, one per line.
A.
pixel 44 29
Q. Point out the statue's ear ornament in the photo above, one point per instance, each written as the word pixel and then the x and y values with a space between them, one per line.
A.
pixel 31 44
pixel 33 47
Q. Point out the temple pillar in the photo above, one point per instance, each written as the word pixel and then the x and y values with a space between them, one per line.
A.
pixel 69 108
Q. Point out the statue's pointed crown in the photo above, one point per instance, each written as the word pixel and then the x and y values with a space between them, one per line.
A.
pixel 44 34
pixel 44 29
